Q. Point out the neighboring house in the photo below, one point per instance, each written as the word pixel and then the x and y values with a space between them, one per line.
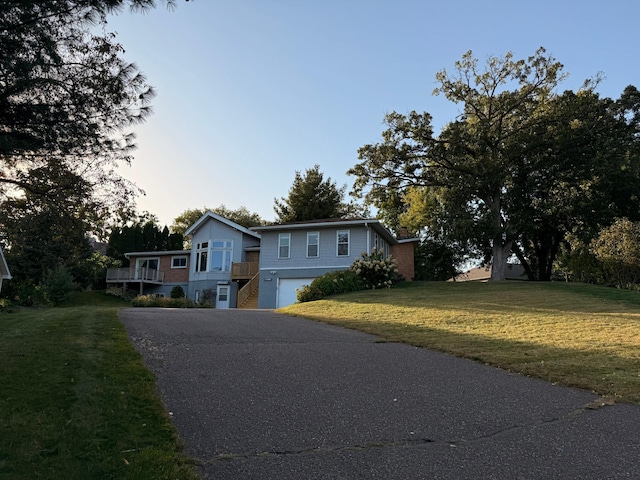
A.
pixel 292 255
pixel 5 274
pixel 514 271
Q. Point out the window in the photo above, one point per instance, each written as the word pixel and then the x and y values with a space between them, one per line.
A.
pixel 179 262
pixel 202 254
pixel 221 254
pixel 284 245
pixel 313 244
pixel 343 243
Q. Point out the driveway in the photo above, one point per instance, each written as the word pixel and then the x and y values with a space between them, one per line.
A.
pixel 259 395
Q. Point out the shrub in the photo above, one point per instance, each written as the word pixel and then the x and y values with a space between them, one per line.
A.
pixel 177 292
pixel 120 293
pixel 332 283
pixel 375 270
pixel 157 301
pixel 58 285
pixel 207 298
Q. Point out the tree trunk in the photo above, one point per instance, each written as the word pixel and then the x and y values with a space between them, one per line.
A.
pixel 501 252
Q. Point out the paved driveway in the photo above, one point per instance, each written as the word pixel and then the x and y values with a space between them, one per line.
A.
pixel 258 395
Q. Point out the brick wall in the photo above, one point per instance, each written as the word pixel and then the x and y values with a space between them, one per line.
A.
pixel 174 274
pixel 402 253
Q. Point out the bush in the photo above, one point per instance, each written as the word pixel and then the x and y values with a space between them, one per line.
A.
pixel 157 301
pixel 207 298
pixel 121 293
pixel 29 295
pixel 375 270
pixel 58 285
pixel 177 292
pixel 333 283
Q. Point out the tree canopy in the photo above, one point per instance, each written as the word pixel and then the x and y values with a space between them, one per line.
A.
pixel 518 169
pixel 311 197
pixel 241 216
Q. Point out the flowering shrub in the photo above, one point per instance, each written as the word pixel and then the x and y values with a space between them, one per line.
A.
pixel 375 270
pixel 331 283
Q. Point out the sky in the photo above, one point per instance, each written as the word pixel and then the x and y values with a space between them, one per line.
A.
pixel 251 91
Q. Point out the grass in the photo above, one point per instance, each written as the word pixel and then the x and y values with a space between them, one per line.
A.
pixel 76 400
pixel 576 335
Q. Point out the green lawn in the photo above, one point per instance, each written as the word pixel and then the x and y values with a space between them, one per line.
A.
pixel 76 400
pixel 577 335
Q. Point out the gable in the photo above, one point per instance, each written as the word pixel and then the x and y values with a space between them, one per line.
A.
pixel 210 218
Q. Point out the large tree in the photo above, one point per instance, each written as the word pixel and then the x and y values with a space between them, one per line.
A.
pixel 510 174
pixel 67 98
pixel 312 197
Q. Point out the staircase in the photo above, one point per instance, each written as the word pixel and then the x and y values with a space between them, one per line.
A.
pixel 248 295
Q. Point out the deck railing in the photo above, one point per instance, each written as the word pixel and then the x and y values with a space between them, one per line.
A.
pixel 121 275
pixel 249 289
pixel 244 270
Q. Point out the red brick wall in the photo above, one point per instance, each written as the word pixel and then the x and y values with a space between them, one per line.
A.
pixel 402 253
pixel 170 274
pixel 174 274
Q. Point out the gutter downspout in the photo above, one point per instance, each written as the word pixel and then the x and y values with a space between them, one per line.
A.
pixel 366 225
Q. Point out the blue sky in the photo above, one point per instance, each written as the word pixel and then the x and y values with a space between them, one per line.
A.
pixel 249 91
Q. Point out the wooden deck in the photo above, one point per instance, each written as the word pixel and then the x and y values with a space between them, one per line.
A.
pixel 244 270
pixel 127 275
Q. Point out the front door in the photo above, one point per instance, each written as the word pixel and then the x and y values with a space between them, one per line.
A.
pixel 223 296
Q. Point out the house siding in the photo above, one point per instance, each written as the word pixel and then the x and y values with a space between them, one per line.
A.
pixel 269 283
pixel 298 265
pixel 327 249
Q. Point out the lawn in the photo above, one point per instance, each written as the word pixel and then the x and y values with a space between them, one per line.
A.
pixel 576 335
pixel 76 400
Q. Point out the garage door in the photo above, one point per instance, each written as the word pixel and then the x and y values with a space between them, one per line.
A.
pixel 287 290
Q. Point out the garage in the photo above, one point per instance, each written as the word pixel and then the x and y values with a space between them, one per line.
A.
pixel 287 290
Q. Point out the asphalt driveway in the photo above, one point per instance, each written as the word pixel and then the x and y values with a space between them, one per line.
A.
pixel 258 395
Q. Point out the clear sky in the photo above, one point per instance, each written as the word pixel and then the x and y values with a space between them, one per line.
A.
pixel 249 91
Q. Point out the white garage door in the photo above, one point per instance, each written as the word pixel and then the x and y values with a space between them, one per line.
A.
pixel 287 290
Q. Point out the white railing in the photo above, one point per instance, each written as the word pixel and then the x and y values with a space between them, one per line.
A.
pixel 117 275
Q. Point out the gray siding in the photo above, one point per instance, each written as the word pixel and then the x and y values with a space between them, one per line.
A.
pixel 328 256
pixel 268 293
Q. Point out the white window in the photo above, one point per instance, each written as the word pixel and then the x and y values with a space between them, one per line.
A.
pixel 202 255
pixel 313 244
pixel 284 245
pixel 343 243
pixel 179 262
pixel 221 255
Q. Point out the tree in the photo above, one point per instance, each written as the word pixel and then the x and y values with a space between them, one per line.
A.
pixel 141 235
pixel 311 197
pixel 515 170
pixel 66 100
pixel 617 247
pixel 241 216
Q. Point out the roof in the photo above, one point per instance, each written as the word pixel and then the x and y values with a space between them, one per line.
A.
pixel 194 228
pixel 514 271
pixel 331 223
pixel 5 274
pixel 158 253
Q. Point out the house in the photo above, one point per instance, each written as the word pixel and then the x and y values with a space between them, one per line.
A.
pixel 223 259
pixel 292 255
pixel 259 267
pixel 5 274
pixel 483 273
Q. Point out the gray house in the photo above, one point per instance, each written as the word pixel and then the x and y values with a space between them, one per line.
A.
pixel 293 255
